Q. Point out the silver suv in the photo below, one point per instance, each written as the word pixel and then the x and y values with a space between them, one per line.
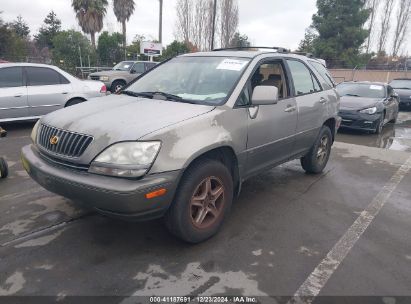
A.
pixel 181 140
pixel 122 74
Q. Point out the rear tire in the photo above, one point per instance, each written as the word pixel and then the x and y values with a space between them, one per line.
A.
pixel 74 102
pixel 4 169
pixel 316 159
pixel 202 202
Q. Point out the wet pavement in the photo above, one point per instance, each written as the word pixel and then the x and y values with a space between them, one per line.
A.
pixel 393 137
pixel 281 229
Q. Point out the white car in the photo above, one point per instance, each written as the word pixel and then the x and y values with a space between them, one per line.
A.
pixel 29 91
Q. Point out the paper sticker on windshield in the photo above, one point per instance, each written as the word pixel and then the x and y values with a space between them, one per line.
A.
pixel 232 65
pixel 376 87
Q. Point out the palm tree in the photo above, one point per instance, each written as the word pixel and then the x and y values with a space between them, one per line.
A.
pixel 123 9
pixel 90 14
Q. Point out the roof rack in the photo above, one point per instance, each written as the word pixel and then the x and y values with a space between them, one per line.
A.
pixel 278 49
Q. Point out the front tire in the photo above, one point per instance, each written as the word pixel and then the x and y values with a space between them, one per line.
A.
pixel 4 169
pixel 117 85
pixel 74 102
pixel 380 125
pixel 202 201
pixel 317 158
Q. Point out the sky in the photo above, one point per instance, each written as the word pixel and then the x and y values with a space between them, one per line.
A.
pixel 265 22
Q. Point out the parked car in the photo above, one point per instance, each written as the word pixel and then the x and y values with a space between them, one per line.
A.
pixel 28 91
pixel 122 74
pixel 181 140
pixel 367 106
pixel 403 88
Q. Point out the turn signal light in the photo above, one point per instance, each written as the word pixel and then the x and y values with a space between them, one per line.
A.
pixel 156 193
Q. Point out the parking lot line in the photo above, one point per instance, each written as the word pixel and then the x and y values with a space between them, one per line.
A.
pixel 315 282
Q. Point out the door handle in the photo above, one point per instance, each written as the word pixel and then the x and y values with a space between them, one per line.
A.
pixel 64 93
pixel 290 109
pixel 18 95
pixel 323 100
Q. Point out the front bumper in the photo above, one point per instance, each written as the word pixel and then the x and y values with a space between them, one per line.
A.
pixel 116 197
pixel 358 121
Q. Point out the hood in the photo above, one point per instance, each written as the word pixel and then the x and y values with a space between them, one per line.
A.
pixel 110 73
pixel 357 103
pixel 120 118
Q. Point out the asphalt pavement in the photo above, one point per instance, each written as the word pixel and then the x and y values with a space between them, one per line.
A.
pixel 342 233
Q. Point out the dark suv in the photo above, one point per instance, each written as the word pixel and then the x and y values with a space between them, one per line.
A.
pixel 403 88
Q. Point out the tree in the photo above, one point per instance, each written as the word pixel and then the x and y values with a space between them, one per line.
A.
pixel 109 48
pixel 402 26
pixel 307 45
pixel 184 19
pixel 340 28
pixel 20 27
pixel 373 7
pixel 12 46
pixel 228 21
pixel 90 15
pixel 50 28
pixel 175 48
pixel 70 49
pixel 123 9
pixel 239 40
pixel 385 25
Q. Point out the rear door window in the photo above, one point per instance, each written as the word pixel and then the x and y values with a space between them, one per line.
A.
pixel 37 76
pixel 11 77
pixel 139 67
pixel 304 80
pixel 325 74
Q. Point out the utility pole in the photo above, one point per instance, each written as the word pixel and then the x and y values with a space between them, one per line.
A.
pixel 214 17
pixel 160 26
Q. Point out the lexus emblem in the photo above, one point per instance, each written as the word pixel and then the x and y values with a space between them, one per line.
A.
pixel 54 140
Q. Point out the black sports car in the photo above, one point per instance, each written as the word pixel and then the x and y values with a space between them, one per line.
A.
pixel 367 106
pixel 403 88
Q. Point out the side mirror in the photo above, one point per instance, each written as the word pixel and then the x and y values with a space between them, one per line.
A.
pixel 395 95
pixel 133 71
pixel 264 95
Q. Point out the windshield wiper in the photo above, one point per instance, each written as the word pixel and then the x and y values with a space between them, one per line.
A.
pixel 151 95
pixel 137 94
pixel 402 88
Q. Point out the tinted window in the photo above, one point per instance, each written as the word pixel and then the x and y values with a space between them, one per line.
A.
pixel 11 77
pixel 302 77
pixel 139 67
pixel 324 73
pixel 41 76
pixel 149 66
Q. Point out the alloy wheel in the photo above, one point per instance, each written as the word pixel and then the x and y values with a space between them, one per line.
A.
pixel 207 202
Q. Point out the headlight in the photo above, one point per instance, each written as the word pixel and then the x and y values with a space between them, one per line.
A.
pixel 34 131
pixel 104 78
pixel 370 111
pixel 126 159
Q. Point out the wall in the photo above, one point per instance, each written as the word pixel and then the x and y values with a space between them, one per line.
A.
pixel 341 75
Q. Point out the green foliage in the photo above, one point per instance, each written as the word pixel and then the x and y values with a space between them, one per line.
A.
pixel 90 15
pixel 67 48
pixel 12 46
pixel 239 40
pixel 341 32
pixel 47 32
pixel 109 48
pixel 174 49
pixel 307 45
pixel 20 27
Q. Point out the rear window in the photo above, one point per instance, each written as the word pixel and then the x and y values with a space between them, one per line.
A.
pixel 11 77
pixel 325 74
pixel 42 76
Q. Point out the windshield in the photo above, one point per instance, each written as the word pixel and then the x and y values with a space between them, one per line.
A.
pixel 361 90
pixel 123 66
pixel 401 84
pixel 203 80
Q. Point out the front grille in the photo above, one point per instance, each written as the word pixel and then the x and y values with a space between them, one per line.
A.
pixel 95 77
pixel 69 144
